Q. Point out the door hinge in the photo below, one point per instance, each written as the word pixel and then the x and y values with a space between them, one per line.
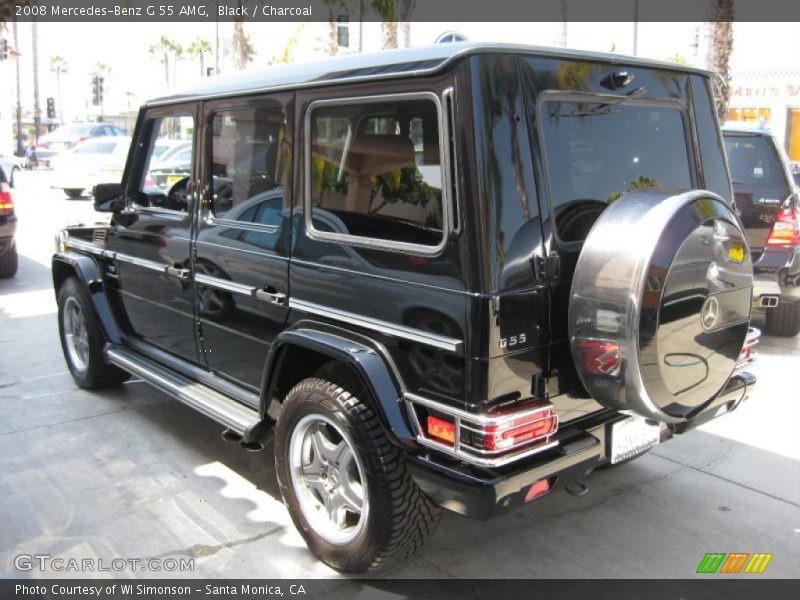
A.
pixel 546 267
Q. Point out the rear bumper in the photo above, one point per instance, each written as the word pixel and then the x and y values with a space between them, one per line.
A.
pixel 582 446
pixel 777 273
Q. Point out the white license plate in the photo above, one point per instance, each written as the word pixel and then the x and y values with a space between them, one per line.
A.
pixel 631 437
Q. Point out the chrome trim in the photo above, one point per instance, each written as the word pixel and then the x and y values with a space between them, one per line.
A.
pixel 385 327
pixel 167 213
pixel 142 262
pixel 238 288
pixel 448 119
pixel 212 221
pixel 483 458
pixel 356 240
pixel 69 242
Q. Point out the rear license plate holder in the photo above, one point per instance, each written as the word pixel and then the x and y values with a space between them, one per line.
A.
pixel 631 437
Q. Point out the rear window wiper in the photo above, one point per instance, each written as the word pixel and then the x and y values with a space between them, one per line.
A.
pixel 583 109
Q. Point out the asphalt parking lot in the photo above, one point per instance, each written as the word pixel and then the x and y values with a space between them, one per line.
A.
pixel 130 473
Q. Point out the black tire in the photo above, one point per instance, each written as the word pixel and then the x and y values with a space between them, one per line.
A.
pixel 74 193
pixel 95 372
pixel 9 262
pixel 400 517
pixel 784 319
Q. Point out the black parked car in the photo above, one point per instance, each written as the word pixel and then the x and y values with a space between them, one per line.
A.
pixel 461 276
pixel 8 227
pixel 767 201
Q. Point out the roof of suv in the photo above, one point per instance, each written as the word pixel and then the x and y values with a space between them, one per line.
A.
pixel 425 60
pixel 749 128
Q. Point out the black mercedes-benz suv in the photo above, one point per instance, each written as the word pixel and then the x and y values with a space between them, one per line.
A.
pixel 461 276
pixel 767 202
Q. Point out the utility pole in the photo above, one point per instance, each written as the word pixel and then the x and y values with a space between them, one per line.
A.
pixel 20 148
pixel 635 27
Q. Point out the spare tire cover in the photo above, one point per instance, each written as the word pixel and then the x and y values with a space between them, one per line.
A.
pixel 660 303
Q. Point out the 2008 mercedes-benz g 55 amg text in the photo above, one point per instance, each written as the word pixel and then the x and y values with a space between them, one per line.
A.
pixel 459 276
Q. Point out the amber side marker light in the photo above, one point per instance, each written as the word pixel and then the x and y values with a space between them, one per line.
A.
pixel 442 429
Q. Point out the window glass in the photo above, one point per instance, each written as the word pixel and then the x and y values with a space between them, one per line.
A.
pixel 597 152
pixel 248 164
pixel 376 170
pixel 754 163
pixel 164 182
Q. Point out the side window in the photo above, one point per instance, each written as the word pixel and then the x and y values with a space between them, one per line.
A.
pixel 166 177
pixel 375 171
pixel 248 165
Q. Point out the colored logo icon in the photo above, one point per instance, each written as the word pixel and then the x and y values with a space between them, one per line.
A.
pixel 735 562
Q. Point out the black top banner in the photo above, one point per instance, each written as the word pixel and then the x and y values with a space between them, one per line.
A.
pixel 399 10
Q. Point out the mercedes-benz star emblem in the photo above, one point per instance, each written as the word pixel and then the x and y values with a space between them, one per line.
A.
pixel 709 313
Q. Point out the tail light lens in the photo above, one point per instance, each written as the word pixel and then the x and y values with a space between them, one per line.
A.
pixel 520 431
pixel 6 202
pixel 786 230
pixel 599 357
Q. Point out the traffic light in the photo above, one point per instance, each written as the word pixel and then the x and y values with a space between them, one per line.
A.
pixel 4 49
pixel 97 90
pixel 51 108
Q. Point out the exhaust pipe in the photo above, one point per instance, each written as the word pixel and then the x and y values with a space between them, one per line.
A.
pixel 769 301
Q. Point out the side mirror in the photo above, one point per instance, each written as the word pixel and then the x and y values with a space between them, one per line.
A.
pixel 108 197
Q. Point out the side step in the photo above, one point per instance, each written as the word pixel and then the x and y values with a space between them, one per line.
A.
pixel 238 418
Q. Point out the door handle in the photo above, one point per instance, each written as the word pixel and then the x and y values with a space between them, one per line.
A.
pixel 271 297
pixel 177 271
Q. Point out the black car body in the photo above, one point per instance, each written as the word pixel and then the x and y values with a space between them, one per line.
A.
pixel 393 245
pixel 8 227
pixel 767 201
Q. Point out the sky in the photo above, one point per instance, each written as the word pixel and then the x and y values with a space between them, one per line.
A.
pixel 124 48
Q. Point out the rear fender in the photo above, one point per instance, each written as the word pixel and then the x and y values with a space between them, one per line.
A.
pixel 88 271
pixel 366 358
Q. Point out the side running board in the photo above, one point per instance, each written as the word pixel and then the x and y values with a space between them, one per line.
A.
pixel 240 419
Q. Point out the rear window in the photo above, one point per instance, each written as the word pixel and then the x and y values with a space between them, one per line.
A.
pixel 596 152
pixel 754 162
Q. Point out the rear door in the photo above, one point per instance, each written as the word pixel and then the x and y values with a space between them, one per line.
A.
pixel 760 182
pixel 241 248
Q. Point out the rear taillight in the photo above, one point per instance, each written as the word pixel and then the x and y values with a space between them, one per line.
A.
pixel 520 431
pixel 599 357
pixel 489 439
pixel 6 202
pixel 786 230
pixel 747 355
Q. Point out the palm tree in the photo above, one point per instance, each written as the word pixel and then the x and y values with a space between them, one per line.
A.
pixel 243 50
pixel 333 26
pixel 562 37
pixel 37 110
pixel 58 66
pixel 162 49
pixel 385 9
pixel 406 8
pixel 177 55
pixel 721 48
pixel 198 49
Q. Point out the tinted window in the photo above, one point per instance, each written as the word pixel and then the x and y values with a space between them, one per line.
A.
pixel 75 130
pixel 597 152
pixel 376 167
pixel 163 185
pixel 247 164
pixel 754 162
